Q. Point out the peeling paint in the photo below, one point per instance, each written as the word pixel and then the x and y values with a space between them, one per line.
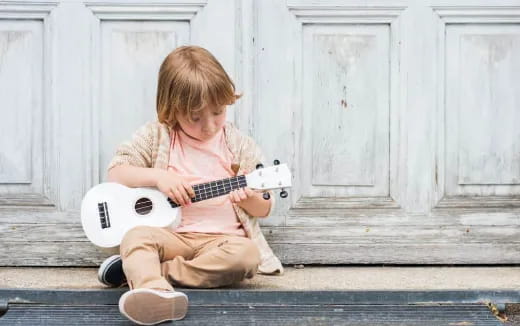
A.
pixel 7 41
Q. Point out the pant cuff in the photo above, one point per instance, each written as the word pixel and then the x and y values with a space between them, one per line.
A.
pixel 157 284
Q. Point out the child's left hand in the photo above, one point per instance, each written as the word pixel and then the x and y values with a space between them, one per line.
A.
pixel 241 195
pixel 251 201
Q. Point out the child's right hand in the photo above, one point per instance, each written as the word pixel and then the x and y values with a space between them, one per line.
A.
pixel 175 187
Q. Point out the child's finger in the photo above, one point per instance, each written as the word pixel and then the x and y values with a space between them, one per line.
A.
pixel 232 196
pixel 241 194
pixel 178 197
pixel 189 189
pixel 172 197
pixel 237 196
pixel 249 192
pixel 184 195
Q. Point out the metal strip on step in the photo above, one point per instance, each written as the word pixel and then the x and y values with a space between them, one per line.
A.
pixel 353 315
pixel 111 296
pixel 4 306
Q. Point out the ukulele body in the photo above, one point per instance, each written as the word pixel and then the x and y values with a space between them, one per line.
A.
pixel 109 210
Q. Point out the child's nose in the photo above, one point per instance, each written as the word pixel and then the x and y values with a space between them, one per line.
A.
pixel 207 126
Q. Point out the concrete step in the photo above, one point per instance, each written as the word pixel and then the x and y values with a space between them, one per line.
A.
pixel 307 278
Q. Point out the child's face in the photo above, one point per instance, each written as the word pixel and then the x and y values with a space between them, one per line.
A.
pixel 206 123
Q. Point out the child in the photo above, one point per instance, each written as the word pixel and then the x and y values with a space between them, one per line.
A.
pixel 219 241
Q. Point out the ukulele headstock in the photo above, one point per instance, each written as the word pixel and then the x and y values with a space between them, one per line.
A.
pixel 273 177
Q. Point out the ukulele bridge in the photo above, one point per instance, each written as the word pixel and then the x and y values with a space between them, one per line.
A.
pixel 104 218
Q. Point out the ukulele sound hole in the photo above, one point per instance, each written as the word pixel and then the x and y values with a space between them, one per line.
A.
pixel 143 206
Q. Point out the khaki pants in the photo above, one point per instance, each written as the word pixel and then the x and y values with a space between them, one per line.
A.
pixel 159 258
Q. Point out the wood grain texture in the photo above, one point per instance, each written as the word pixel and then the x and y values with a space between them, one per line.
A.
pixel 353 242
pixel 84 254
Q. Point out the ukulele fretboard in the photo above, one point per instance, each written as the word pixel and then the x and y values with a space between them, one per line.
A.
pixel 214 189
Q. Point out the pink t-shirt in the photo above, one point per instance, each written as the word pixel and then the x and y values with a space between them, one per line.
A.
pixel 200 162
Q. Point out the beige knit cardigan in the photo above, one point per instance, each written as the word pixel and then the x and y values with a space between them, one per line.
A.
pixel 150 146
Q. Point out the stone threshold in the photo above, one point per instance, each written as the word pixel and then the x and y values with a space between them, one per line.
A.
pixel 308 278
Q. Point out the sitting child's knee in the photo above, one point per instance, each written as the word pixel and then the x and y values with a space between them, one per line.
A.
pixel 135 236
pixel 248 257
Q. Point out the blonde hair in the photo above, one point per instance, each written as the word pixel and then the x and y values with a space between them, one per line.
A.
pixel 190 78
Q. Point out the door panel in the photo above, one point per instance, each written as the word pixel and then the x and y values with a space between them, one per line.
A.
pixel 21 68
pixel 345 144
pixel 131 54
pixel 482 116
pixel 478 162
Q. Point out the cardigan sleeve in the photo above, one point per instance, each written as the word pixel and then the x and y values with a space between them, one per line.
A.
pixel 251 155
pixel 137 151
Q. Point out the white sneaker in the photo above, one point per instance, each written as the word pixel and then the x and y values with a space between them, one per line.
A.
pixel 150 307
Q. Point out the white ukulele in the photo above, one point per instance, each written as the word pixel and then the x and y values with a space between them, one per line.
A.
pixel 109 210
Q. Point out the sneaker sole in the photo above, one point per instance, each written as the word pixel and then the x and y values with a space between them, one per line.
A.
pixel 150 307
pixel 103 268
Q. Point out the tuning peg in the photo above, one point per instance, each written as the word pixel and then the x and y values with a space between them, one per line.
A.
pixel 283 194
pixel 266 196
pixel 259 166
pixel 276 162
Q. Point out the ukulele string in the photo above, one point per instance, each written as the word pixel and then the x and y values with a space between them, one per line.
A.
pixel 202 192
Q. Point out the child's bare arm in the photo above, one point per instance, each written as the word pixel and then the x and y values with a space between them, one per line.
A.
pixel 167 182
pixel 133 176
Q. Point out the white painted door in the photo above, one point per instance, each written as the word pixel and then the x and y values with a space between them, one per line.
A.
pixel 76 79
pixel 399 119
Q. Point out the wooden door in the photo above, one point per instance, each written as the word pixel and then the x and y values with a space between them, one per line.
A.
pixel 76 79
pixel 399 119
